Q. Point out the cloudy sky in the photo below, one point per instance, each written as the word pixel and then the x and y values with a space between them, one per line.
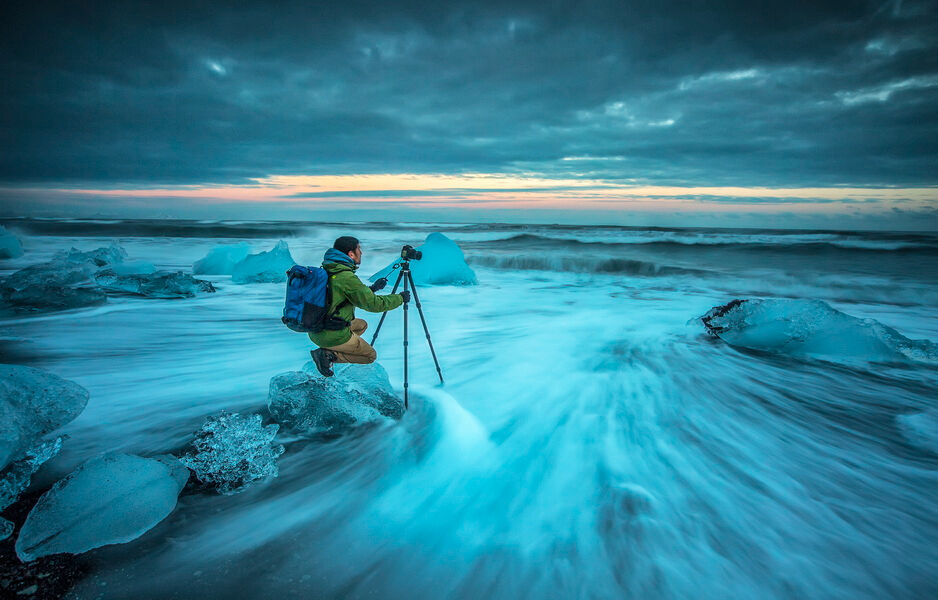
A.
pixel 746 112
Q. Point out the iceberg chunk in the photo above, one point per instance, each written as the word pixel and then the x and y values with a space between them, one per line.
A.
pixel 46 297
pixel 137 267
pixel 161 284
pixel 15 478
pixel 811 328
pixel 221 260
pixel 33 403
pixel 231 451
pixel 443 263
pixel 264 267
pixel 99 257
pixel 10 246
pixel 48 274
pixel 110 499
pixel 306 402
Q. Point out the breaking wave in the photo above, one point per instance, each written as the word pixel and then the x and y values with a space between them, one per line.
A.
pixel 612 266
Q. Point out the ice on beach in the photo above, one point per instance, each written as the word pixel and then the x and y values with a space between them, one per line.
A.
pixel 442 263
pixel 16 477
pixel 42 298
pixel 64 282
pixel 231 451
pixel 33 403
pixel 110 499
pixel 812 328
pixel 48 274
pixel 306 401
pixel 264 267
pixel 99 257
pixel 10 246
pixel 221 260
pixel 136 267
pixel 161 284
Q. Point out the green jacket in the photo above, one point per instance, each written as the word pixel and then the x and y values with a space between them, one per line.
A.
pixel 348 291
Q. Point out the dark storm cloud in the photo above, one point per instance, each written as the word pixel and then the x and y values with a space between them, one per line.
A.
pixel 733 92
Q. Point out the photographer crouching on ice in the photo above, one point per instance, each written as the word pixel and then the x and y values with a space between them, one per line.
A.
pixel 345 344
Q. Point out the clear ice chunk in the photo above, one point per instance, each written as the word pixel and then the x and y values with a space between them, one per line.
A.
pixel 110 499
pixel 231 451
pixel 221 260
pixel 307 402
pixel 264 267
pixel 43 297
pixel 16 477
pixel 442 263
pixel 99 257
pixel 811 328
pixel 161 284
pixel 10 246
pixel 33 403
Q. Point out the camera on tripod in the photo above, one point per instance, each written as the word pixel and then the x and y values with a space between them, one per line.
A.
pixel 408 253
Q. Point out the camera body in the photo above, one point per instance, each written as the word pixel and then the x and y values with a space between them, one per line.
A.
pixel 408 253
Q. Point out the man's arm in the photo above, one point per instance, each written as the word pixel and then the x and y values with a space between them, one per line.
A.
pixel 361 295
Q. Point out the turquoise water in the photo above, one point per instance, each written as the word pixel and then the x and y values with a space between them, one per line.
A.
pixel 591 441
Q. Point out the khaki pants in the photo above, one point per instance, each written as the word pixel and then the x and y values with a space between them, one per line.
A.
pixel 356 350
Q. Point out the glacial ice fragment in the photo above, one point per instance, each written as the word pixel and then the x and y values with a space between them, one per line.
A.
pixel 231 451
pixel 136 267
pixel 47 297
pixel 33 403
pixel 99 257
pixel 110 499
pixel 221 260
pixel 161 284
pixel 811 328
pixel 16 477
pixel 48 274
pixel 10 246
pixel 264 267
pixel 443 263
pixel 304 401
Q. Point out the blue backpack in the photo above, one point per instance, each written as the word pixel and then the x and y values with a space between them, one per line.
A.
pixel 308 299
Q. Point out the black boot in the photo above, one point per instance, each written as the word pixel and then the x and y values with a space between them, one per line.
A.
pixel 323 360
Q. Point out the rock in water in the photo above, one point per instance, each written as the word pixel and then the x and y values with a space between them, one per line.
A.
pixel 231 451
pixel 16 477
pixel 265 267
pixel 443 263
pixel 110 499
pixel 10 247
pixel 33 403
pixel 162 284
pixel 221 260
pixel 357 394
pixel 811 328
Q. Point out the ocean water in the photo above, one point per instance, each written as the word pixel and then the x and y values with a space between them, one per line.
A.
pixel 591 440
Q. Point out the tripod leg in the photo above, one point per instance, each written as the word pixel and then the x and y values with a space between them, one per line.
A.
pixel 424 321
pixel 406 279
pixel 383 315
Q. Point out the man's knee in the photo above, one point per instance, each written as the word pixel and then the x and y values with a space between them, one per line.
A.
pixel 371 356
pixel 358 326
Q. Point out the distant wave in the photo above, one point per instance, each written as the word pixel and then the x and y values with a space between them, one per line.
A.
pixel 721 242
pixel 616 266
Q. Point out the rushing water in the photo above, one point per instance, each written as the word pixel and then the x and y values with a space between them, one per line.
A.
pixel 591 441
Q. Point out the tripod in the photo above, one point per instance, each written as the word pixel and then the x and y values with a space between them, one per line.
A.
pixel 406 276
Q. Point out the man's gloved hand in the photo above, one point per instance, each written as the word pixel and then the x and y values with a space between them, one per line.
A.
pixel 378 285
pixel 405 295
